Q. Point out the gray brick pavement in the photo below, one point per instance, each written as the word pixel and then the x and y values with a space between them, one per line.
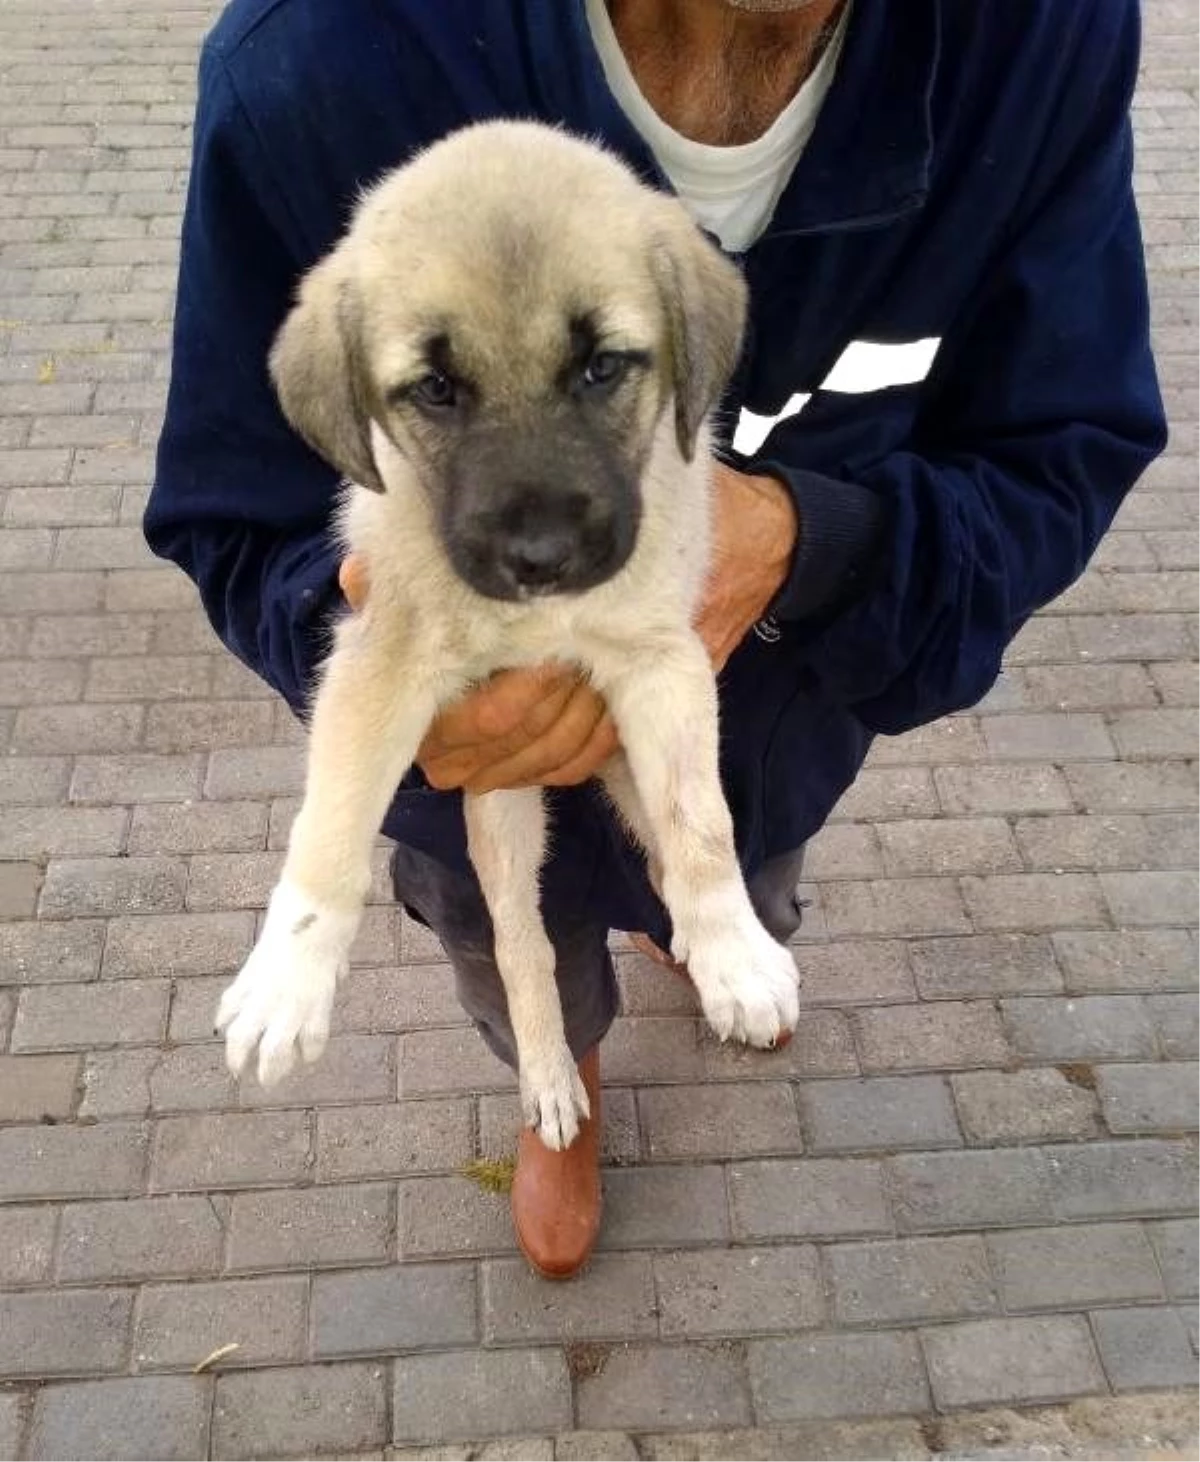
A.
pixel 969 1181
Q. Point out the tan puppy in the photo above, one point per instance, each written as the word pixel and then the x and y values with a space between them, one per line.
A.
pixel 511 356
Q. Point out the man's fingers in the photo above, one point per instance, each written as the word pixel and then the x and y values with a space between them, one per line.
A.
pixel 497 711
pixel 600 746
pixel 559 744
pixel 353 581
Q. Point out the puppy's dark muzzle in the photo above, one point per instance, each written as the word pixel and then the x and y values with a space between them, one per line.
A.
pixel 541 543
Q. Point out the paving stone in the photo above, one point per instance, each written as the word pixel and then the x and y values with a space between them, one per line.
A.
pixel 1109 961
pixel 448 1217
pixel 1175 1245
pixel 63 1334
pixel 899 1438
pixel 1144 1347
pixel 949 846
pixel 742 1291
pixel 1033 901
pixel 640 1050
pixel 178 945
pixel 953 1190
pixel 197 827
pixel 843 850
pixel 833 1375
pixel 353 1068
pixel 853 972
pixel 1118 1179
pixel 162 1417
pixel 808 1198
pixel 1146 1097
pixel 66 1017
pixel 69 1162
pixel 19 884
pixel 899 906
pixel 821 1045
pixel 179 1324
pixel 909 1280
pixel 965 791
pixel 300 1411
pixel 612 1299
pixel 36 1088
pixel 652 1207
pixel 139 777
pixel 1132 786
pixel 402 1307
pixel 308 1227
pixel 140 1238
pixel 395 1140
pixel 984 965
pixel 1151 898
pixel 395 999
pixel 1038 736
pixel 229 1150
pixel 596 1446
pixel 720 1121
pixel 1088 1028
pixel 26 779
pixel 879 1113
pixel 71 729
pixel 13 1406
pixel 1037 1105
pixel 930 1037
pixel 232 880
pixel 39 833
pixel 1010 1361
pixel 1115 841
pixel 1065 1268
pixel 439 1062
pixel 75 886
pixel 488 1393
pixel 26 1244
pixel 650 1387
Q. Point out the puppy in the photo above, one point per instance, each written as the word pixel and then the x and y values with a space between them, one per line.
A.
pixel 511 356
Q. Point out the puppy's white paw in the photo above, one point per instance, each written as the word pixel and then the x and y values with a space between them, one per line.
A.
pixel 284 993
pixel 748 984
pixel 554 1099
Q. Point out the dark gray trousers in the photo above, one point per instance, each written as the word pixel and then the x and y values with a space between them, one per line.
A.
pixel 452 905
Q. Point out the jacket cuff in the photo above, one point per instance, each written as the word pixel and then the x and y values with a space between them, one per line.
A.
pixel 841 532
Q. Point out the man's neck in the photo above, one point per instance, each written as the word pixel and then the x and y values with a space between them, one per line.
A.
pixel 717 74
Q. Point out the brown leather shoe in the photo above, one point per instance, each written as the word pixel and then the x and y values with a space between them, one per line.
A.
pixel 647 947
pixel 556 1195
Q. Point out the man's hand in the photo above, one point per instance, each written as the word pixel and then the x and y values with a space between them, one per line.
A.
pixel 543 726
pixel 546 726
pixel 754 534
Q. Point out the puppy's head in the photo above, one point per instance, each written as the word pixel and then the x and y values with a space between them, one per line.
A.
pixel 515 313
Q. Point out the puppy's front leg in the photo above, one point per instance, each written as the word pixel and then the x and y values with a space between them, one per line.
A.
pixel 368 719
pixel 506 835
pixel 746 981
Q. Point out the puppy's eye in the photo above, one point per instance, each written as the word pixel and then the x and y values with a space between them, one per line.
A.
pixel 436 391
pixel 605 368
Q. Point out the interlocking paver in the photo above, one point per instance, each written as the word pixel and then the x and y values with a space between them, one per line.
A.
pixel 1086 1264
pixel 979 1128
pixel 1006 1361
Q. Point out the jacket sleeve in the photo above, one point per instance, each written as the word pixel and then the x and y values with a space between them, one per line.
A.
pixel 239 502
pixel 1041 412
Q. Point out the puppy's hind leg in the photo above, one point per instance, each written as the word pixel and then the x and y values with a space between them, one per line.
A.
pixel 506 836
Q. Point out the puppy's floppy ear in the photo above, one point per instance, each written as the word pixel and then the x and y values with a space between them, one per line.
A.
pixel 704 297
pixel 319 369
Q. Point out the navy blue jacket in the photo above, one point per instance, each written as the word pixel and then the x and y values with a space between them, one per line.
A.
pixel 969 180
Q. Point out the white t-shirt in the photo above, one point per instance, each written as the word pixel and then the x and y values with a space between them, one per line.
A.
pixel 730 191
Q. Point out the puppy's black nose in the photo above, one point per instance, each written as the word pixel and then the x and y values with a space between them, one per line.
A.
pixel 538 560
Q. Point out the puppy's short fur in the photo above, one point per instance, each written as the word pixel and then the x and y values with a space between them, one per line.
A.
pixel 511 357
